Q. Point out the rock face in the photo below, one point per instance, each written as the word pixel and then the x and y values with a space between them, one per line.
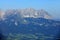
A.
pixel 28 12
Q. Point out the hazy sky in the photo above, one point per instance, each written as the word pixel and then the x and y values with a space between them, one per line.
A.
pixel 51 6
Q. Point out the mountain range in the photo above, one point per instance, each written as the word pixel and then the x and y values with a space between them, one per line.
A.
pixel 28 24
pixel 28 12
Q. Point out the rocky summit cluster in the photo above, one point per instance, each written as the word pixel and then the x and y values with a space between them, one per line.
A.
pixel 28 12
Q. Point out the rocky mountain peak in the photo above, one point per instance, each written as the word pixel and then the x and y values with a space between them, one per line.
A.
pixel 28 12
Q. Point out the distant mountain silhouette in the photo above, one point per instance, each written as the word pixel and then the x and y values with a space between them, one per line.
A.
pixel 28 12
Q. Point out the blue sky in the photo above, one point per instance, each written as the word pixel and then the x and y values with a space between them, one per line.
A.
pixel 51 6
